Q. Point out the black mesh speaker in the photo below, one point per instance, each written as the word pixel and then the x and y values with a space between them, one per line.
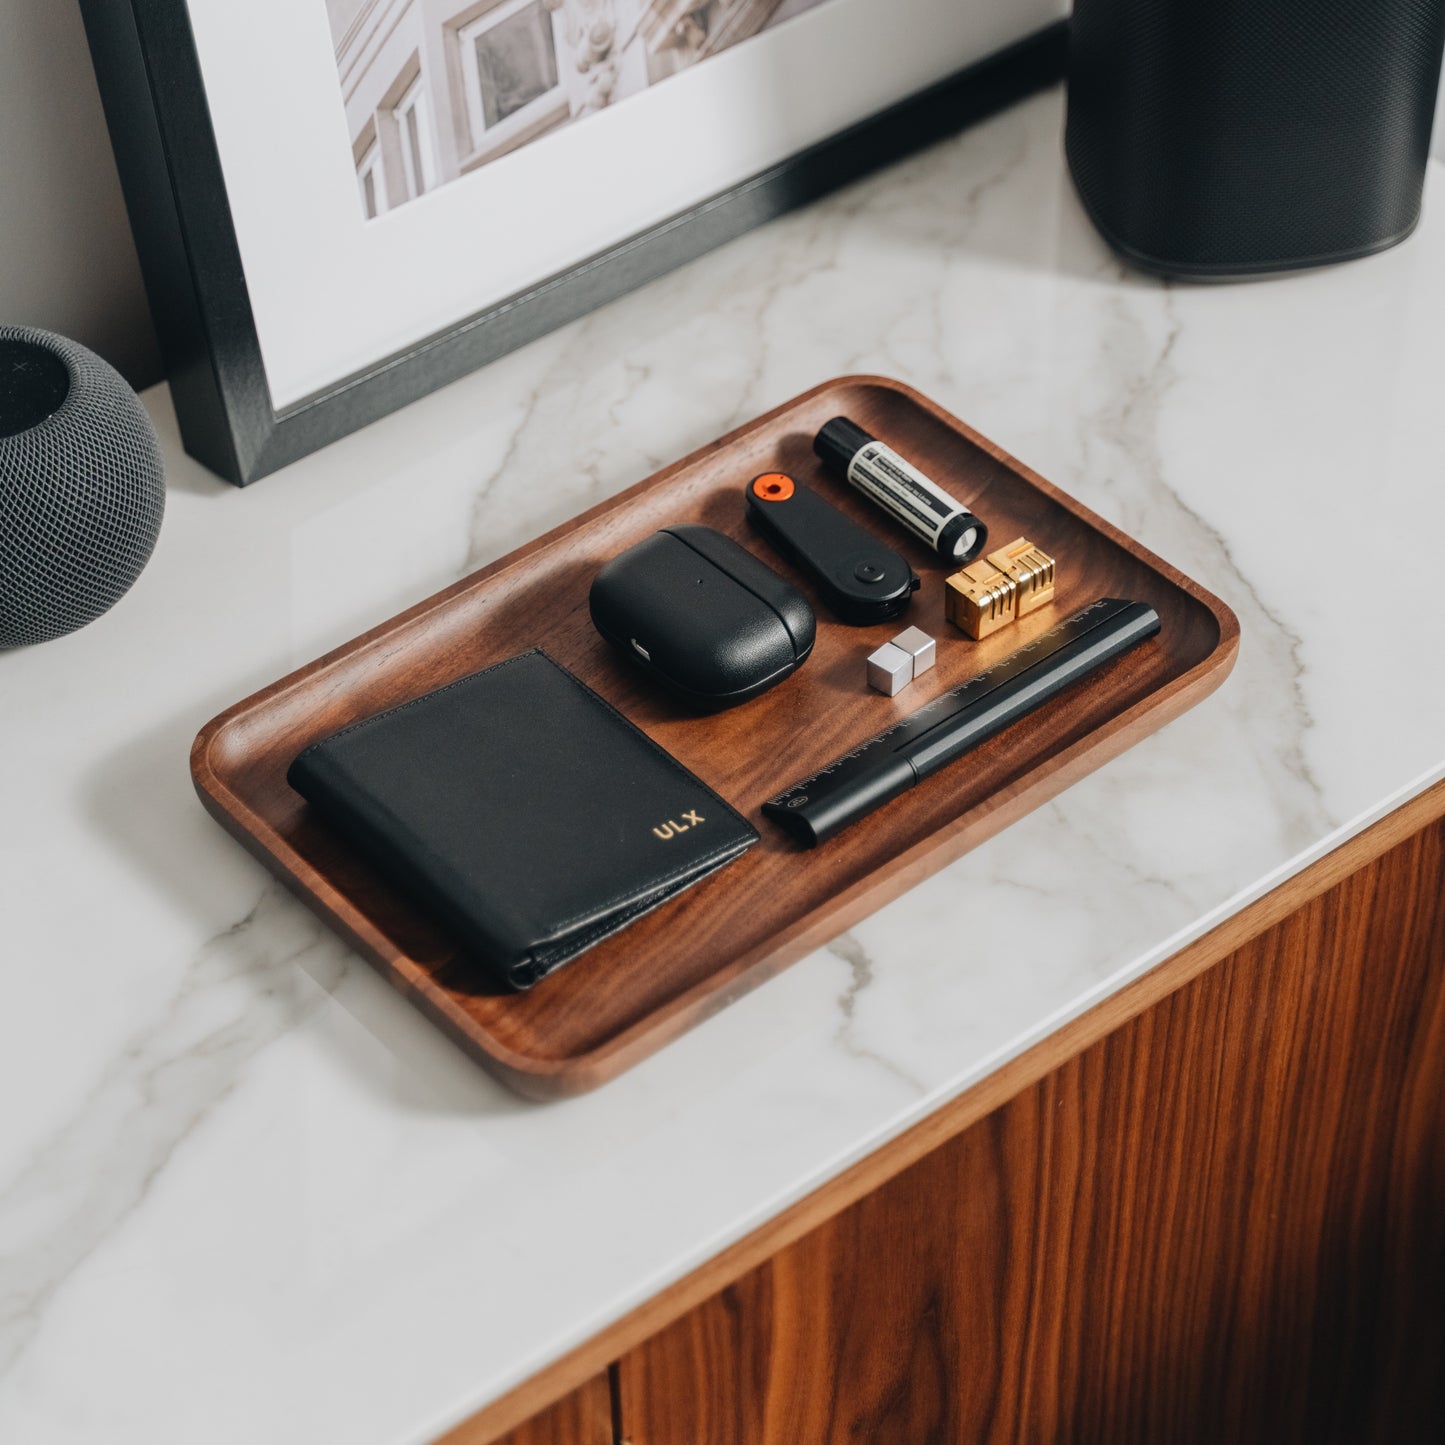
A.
pixel 82 488
pixel 1221 137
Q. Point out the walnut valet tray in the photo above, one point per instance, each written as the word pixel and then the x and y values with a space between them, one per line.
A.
pixel 667 972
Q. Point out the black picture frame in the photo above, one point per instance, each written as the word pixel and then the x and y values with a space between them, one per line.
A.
pixel 170 168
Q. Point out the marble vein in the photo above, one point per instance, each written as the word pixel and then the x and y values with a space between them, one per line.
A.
pixel 245 988
pixel 860 969
pixel 1122 435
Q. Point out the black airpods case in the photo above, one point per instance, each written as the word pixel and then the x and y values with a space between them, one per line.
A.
pixel 702 615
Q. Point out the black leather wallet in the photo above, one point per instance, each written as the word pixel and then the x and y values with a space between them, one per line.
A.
pixel 521 809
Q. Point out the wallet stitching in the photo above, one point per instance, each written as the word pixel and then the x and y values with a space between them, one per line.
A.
pixel 534 968
pixel 539 964
pixel 669 879
pixel 668 882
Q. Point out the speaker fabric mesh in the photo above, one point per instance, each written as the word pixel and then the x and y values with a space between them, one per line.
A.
pixel 82 494
pixel 1221 136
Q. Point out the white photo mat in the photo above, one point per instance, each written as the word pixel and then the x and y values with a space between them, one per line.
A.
pixel 333 293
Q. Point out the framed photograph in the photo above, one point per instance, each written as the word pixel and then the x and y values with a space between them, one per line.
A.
pixel 341 205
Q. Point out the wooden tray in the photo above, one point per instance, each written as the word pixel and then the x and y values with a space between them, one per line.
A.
pixel 665 973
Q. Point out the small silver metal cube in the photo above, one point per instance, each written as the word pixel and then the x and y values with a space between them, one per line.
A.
pixel 890 669
pixel 919 646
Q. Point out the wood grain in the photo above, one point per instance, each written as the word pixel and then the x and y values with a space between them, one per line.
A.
pixel 662 975
pixel 962 1112
pixel 1223 1221
pixel 585 1417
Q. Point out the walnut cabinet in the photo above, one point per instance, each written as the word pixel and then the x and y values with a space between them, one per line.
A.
pixel 1211 1209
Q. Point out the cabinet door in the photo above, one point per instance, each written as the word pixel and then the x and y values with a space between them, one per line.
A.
pixel 1223 1222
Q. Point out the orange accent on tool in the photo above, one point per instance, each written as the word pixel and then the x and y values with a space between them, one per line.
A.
pixel 773 487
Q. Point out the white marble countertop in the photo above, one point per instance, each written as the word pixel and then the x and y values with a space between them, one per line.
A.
pixel 247 1194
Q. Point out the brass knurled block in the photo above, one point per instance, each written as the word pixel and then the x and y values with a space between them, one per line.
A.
pixel 998 589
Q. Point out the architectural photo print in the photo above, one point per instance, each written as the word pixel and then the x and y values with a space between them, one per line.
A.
pixel 436 88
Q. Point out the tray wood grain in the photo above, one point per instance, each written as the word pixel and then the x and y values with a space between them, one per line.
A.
pixel 673 968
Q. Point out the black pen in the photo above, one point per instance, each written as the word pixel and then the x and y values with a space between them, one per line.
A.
pixel 885 766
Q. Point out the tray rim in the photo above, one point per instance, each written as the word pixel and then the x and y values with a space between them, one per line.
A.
pixel 546 1078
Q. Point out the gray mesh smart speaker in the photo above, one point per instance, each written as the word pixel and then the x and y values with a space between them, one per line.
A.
pixel 1214 138
pixel 82 487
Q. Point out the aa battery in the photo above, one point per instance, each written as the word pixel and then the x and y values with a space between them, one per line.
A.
pixel 905 493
